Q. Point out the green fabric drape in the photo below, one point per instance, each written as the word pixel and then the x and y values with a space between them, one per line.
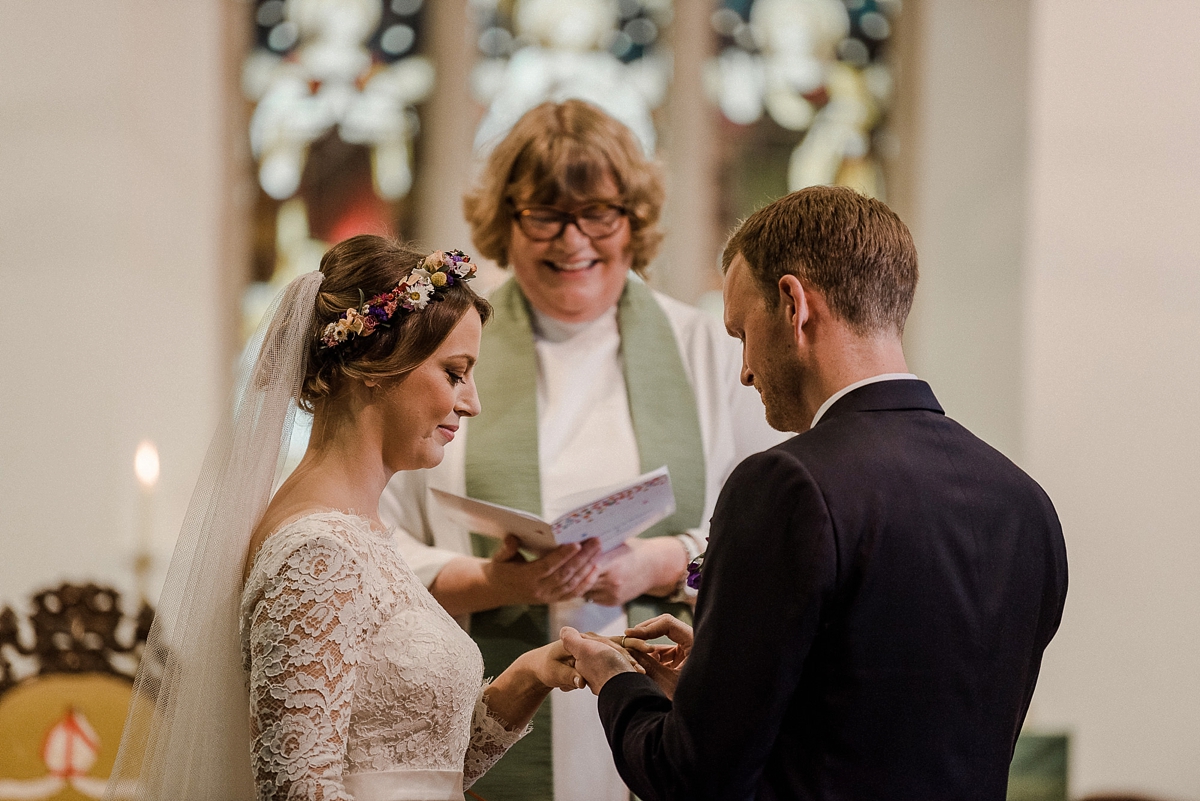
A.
pixel 502 467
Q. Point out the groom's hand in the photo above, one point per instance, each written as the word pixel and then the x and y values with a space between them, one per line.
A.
pixel 662 663
pixel 596 658
pixel 673 629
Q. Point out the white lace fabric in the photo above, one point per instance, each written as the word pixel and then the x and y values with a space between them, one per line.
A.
pixel 356 673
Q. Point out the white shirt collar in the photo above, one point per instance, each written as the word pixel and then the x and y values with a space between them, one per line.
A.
pixel 547 328
pixel 835 397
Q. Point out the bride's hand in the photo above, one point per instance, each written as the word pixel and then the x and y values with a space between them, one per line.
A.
pixel 516 693
pixel 567 572
pixel 552 667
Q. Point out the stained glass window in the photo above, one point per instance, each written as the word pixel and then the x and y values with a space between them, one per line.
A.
pixel 803 87
pixel 335 88
pixel 608 53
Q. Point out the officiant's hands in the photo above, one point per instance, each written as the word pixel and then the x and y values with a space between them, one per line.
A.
pixel 569 571
pixel 639 567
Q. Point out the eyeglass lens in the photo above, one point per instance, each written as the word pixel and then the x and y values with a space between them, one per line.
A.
pixel 545 222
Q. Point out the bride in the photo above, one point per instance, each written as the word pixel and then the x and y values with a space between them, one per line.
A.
pixel 295 654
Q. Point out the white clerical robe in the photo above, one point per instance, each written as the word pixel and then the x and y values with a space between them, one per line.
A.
pixel 586 441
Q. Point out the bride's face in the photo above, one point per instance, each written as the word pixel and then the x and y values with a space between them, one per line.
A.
pixel 421 412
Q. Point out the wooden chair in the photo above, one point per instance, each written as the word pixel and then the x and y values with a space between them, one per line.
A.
pixel 66 676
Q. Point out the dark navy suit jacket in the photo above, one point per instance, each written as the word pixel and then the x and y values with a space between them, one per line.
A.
pixel 874 605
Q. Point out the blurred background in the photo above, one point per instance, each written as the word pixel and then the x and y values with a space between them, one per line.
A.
pixel 165 167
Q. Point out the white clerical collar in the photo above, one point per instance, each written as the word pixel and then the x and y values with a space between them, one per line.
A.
pixel 547 328
pixel 835 397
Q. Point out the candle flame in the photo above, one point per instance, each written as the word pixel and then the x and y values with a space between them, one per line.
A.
pixel 145 464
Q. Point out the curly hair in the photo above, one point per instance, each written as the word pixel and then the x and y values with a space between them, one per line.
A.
pixel 561 152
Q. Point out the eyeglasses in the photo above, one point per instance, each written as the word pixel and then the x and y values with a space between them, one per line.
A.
pixel 543 223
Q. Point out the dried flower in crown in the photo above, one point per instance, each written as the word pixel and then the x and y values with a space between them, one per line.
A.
pixel 424 283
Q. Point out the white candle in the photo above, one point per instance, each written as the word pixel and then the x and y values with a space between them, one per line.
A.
pixel 145 466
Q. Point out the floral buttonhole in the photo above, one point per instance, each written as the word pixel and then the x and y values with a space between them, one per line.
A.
pixel 693 571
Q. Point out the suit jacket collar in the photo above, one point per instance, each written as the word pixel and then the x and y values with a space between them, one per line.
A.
pixel 885 396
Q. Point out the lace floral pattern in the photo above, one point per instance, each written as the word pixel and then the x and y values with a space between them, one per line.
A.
pixel 490 738
pixel 354 667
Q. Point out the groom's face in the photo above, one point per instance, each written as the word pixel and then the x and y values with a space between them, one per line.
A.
pixel 771 361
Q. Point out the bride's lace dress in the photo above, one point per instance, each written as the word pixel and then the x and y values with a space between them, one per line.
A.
pixel 361 685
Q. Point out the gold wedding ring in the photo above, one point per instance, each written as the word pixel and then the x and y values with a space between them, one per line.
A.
pixel 622 640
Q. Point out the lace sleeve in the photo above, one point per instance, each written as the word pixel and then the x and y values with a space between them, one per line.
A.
pixel 306 633
pixel 490 738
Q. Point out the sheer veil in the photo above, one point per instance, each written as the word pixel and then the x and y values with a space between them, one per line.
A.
pixel 187 734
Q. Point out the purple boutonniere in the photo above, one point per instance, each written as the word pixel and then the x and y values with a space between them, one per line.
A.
pixel 693 568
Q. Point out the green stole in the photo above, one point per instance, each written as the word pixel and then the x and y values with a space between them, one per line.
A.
pixel 502 467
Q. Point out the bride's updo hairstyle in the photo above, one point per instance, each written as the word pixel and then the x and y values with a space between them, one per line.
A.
pixel 363 267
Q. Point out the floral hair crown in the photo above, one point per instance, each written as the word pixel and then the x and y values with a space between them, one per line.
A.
pixel 424 283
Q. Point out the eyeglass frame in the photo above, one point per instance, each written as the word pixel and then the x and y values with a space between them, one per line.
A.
pixel 567 218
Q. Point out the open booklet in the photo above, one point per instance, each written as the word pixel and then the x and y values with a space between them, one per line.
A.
pixel 609 514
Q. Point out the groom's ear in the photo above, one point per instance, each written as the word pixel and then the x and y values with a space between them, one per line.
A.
pixel 794 305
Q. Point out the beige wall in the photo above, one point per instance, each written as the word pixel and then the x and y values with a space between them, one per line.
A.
pixel 1112 374
pixel 1055 199
pixel 110 201
pixel 1057 191
pixel 964 148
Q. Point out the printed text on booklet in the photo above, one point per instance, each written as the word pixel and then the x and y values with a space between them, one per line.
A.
pixel 609 514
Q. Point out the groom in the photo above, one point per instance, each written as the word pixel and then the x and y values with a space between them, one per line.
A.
pixel 879 590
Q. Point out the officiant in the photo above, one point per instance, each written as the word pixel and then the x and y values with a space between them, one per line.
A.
pixel 587 378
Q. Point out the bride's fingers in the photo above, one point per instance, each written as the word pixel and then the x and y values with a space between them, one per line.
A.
pixel 632 643
pixel 559 653
pixel 671 656
pixel 557 668
pixel 590 646
pixel 609 642
pixel 565 678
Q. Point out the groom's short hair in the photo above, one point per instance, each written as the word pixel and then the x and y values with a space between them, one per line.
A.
pixel 851 248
